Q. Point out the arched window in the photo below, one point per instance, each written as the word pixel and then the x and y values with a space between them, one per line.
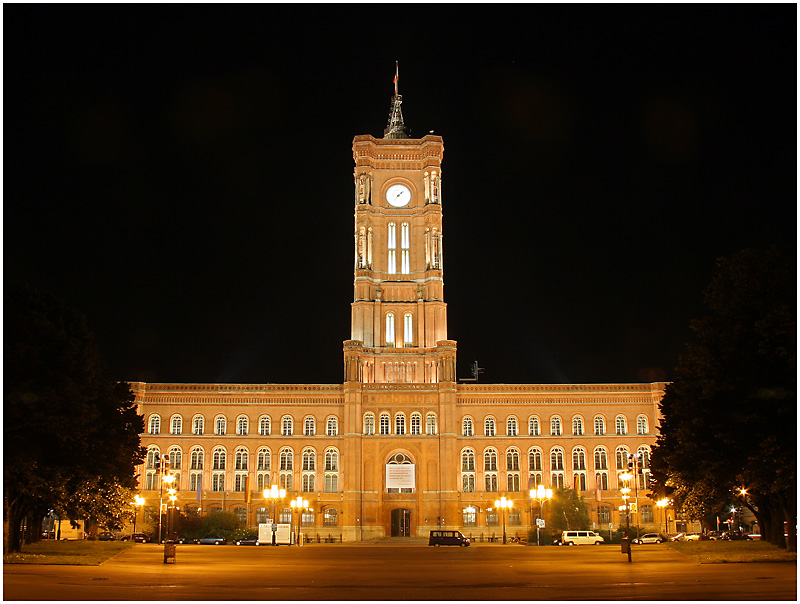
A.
pixel 579 459
pixel 390 330
pixel 287 460
pixel 153 456
pixel 577 426
pixel 264 425
pixel 533 426
pixel 218 459
pixel 468 460
pixel 391 265
pixel 599 425
pixel 263 460
pixel 408 329
pixel 535 460
pixel 430 424
pixel 466 426
pixel 331 460
pixel 513 482
pixel 555 425
pixel 416 424
pixel 175 458
pixel 399 424
pixel 309 426
pixel 309 460
pixel 369 424
pixel 641 425
pixel 512 460
pixel 384 423
pixel 309 481
pixel 176 424
pixel 601 478
pixel 242 425
pixel 644 457
pixel 557 459
pixel 488 426
pixel 405 240
pixel 579 481
pixel 490 460
pixel 647 513
pixel 196 459
pixel 155 424
pixel 511 426
pixel 490 482
pixel 287 425
pixel 198 424
pixel 332 427
pixel 600 459
pixel 622 458
pixel 330 517
pixel 468 483
pixel 241 459
pixel 218 482
pixel 220 423
pixel 622 425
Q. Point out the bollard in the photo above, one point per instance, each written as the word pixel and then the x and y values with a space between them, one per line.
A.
pixel 169 552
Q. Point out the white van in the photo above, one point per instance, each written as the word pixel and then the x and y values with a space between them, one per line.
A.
pixel 581 538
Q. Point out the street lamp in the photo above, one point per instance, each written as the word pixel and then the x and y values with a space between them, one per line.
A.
pixel 274 493
pixel 541 495
pixel 299 504
pixel 138 501
pixel 626 493
pixel 504 505
pixel 169 479
pixel 171 513
pixel 663 505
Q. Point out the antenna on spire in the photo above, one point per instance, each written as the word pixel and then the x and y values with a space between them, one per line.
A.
pixel 396 75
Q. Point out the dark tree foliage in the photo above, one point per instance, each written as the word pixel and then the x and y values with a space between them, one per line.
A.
pixel 70 433
pixel 729 417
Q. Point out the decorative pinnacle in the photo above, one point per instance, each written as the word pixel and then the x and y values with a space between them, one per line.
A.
pixel 395 127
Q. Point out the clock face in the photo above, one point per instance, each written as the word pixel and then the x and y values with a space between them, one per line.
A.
pixel 398 196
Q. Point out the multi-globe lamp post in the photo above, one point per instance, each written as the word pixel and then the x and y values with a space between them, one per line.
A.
pixel 541 495
pixel 626 493
pixel 663 503
pixel 274 494
pixel 299 505
pixel 504 505
pixel 138 501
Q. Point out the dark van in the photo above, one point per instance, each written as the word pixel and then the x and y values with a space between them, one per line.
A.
pixel 438 538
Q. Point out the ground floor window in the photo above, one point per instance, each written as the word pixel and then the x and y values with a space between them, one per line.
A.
pixel 514 517
pixel 470 517
pixel 262 515
pixel 242 514
pixel 285 516
pixel 491 518
pixel 307 519
pixel 330 517
pixel 604 514
pixel 647 513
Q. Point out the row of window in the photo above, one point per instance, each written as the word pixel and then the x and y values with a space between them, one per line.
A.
pixel 513 484
pixel 514 516
pixel 556 426
pixel 330 516
pixel 490 457
pixel 401 426
pixel 242 481
pixel 243 425
pixel 173 459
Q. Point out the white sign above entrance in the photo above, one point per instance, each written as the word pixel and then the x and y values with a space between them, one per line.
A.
pixel 400 476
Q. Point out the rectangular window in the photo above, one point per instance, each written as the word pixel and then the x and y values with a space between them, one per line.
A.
pixel 405 262
pixel 218 482
pixel 195 481
pixel 491 483
pixel 470 517
pixel 240 483
pixel 331 483
pixel 468 483
pixel 491 518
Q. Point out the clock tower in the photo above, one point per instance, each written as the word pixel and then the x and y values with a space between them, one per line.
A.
pixel 398 314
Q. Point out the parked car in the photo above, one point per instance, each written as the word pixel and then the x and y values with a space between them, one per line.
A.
pixel 247 541
pixel 715 536
pixel 211 541
pixel 106 536
pixel 141 538
pixel 649 538
pixel 581 538
pixel 754 537
pixel 437 538
pixel 734 536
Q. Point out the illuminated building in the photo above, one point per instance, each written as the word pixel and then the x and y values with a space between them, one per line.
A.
pixel 401 446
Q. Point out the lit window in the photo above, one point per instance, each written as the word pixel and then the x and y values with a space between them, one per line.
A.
pixel 384 423
pixel 577 426
pixel 535 460
pixel 512 460
pixel 579 459
pixel 533 426
pixel 264 426
pixel 369 424
pixel 287 460
pixel 241 459
pixel 555 426
pixel 600 459
pixel 242 426
pixel 430 424
pixel 557 459
pixel 196 459
pixel 263 460
pixel 468 460
pixel 240 482
pixel 470 516
pixel 622 427
pixel 218 459
pixel 513 482
pixel 309 461
pixel 405 244
pixel 155 424
pixel 198 424
pixel 408 329
pixel 490 482
pixel 488 426
pixel 333 426
pixel 219 425
pixel 622 458
pixel 400 424
pixel 175 458
pixel 309 426
pixel 330 517
pixel 391 267
pixel 177 424
pixel 331 460
pixel 641 425
pixel 218 482
pixel 468 483
pixel 287 426
pixel 390 330
pixel 490 460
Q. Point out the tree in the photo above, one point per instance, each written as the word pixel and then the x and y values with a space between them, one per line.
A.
pixel 71 433
pixel 565 511
pixel 729 417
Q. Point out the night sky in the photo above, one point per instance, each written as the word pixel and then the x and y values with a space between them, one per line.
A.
pixel 182 175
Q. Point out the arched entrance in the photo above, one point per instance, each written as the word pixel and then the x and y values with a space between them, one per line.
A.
pixel 401 522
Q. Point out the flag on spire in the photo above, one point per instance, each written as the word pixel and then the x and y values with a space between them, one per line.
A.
pixel 396 75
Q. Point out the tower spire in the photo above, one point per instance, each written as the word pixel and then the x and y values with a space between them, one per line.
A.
pixel 395 128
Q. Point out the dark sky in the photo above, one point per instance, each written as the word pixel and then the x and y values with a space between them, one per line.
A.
pixel 182 175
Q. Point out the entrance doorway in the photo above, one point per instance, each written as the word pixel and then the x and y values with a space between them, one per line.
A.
pixel 401 522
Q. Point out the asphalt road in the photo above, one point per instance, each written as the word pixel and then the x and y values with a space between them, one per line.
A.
pixel 401 572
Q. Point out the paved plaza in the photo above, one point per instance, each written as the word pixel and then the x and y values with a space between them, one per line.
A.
pixel 401 572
